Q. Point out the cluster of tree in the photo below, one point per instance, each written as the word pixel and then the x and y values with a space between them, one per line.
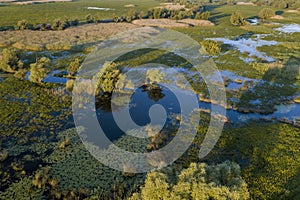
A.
pixel 131 15
pixel 193 10
pixel 293 4
pixel 199 181
pixel 237 19
pixel 58 24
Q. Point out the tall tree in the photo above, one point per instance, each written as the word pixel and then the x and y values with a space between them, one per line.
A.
pixel 266 13
pixel 237 19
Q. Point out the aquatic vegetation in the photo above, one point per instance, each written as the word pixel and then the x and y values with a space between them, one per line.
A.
pixel 269 157
pixel 27 108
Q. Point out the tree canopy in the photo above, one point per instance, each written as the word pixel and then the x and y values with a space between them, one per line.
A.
pixel 10 61
pixel 237 19
pixel 198 181
pixel 39 70
pixel 266 13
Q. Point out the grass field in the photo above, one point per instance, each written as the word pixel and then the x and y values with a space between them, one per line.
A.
pixel 45 13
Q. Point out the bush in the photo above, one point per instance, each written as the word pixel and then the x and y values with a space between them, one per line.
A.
pixel 59 24
pixel 199 181
pixel 74 66
pixel 211 47
pixel 237 19
pixel 107 78
pixel 203 16
pixel 39 70
pixel 75 22
pixel 70 85
pixel 90 18
pixel 266 13
pixel 20 74
pixel 10 60
pixel 22 25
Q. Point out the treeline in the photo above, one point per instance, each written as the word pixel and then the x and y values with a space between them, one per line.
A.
pixel 58 24
pixel 292 4
pixel 11 62
pixel 163 13
pixel 192 10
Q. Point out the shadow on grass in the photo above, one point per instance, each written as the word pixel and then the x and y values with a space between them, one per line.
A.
pixel 216 18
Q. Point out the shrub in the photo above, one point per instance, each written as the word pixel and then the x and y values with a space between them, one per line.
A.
pixel 70 85
pixel 237 19
pixel 211 47
pixel 154 76
pixel 74 66
pixel 90 18
pixel 107 78
pixel 10 61
pixel 203 16
pixel 75 22
pixel 39 70
pixel 132 14
pixel 20 74
pixel 59 24
pixel 266 13
pixel 199 181
pixel 22 25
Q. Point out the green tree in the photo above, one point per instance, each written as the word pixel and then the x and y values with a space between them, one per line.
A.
pixel 132 14
pixel 107 78
pixel 154 76
pixel 59 24
pixel 90 18
pixel 20 74
pixel 74 22
pixel 157 13
pixel 39 70
pixel 198 181
pixel 10 61
pixel 74 66
pixel 266 13
pixel 203 16
pixel 237 19
pixel 211 47
pixel 22 25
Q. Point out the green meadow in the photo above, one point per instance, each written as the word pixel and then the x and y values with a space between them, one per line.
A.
pixel 78 9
